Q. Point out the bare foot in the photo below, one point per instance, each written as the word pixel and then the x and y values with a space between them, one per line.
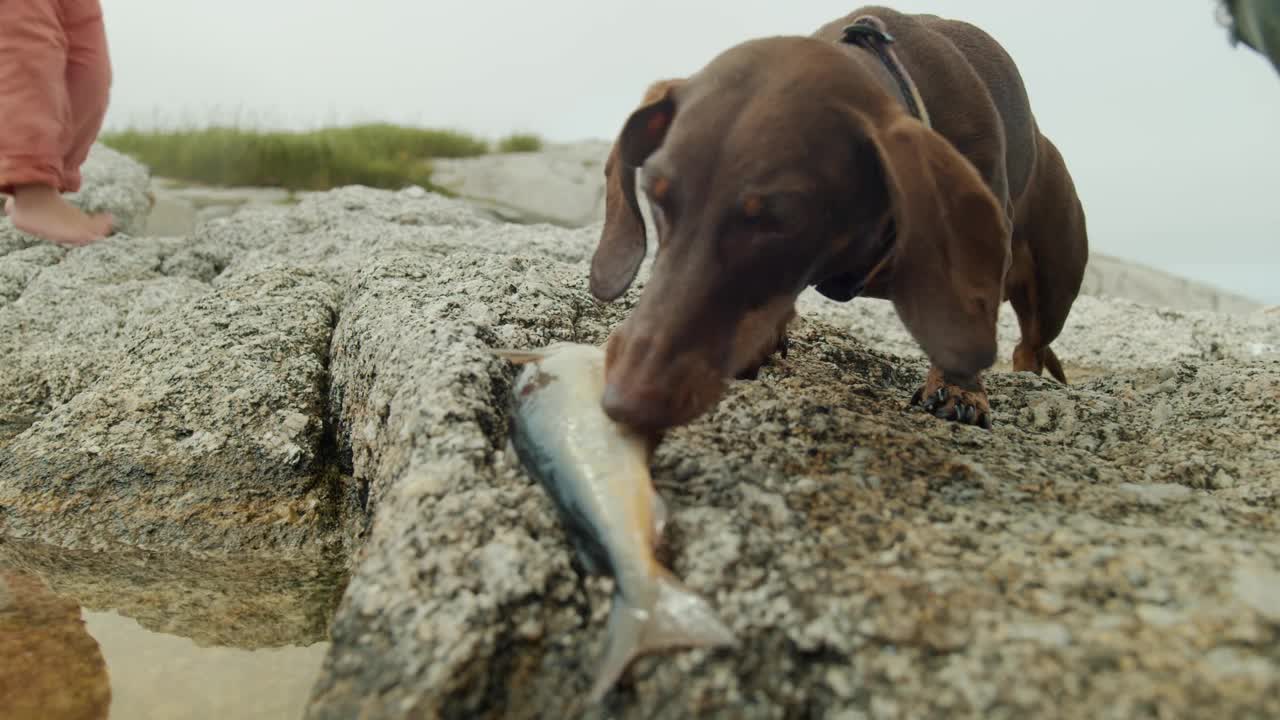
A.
pixel 8 205
pixel 42 211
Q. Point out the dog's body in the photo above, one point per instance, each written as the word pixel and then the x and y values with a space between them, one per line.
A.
pixel 909 169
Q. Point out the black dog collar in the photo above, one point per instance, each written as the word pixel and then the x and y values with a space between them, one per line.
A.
pixel 868 34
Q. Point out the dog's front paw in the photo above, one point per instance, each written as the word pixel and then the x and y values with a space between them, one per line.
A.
pixel 962 401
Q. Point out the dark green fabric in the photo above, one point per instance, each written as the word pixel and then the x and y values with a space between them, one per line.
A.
pixel 1256 23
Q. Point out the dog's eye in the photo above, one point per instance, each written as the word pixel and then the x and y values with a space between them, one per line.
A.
pixel 762 214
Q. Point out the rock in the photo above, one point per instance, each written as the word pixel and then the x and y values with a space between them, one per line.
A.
pixel 72 310
pixel 561 184
pixel 1109 276
pixel 807 589
pixel 1100 334
pixel 207 431
pixel 1047 634
pixel 115 183
pixel 317 389
pixel 1159 616
pixel 1228 662
pixel 64 312
pixel 1155 494
pixel 180 206
pixel 170 217
pixel 19 267
pixel 1259 588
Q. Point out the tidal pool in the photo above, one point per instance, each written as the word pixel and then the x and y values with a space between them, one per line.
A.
pixel 131 635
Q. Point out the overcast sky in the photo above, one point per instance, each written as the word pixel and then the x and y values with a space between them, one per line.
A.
pixel 1173 137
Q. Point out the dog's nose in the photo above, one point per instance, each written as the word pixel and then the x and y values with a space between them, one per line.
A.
pixel 641 408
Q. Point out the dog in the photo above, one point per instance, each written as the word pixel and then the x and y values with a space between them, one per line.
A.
pixel 887 155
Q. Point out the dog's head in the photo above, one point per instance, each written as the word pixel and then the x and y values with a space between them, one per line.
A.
pixel 784 160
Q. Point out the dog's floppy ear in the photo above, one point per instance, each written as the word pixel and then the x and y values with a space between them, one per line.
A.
pixel 622 241
pixel 952 247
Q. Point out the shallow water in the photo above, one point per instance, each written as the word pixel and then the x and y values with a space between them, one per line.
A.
pixel 131 635
pixel 154 675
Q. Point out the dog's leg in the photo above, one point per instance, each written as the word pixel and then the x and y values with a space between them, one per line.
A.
pixel 1050 252
pixel 963 400
pixel 761 335
pixel 1028 356
pixel 1032 354
pixel 752 371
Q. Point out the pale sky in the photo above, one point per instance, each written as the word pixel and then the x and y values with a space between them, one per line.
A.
pixel 1172 136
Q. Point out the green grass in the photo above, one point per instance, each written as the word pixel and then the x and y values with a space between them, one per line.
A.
pixel 378 155
pixel 520 142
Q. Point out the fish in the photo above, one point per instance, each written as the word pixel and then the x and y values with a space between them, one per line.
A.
pixel 596 472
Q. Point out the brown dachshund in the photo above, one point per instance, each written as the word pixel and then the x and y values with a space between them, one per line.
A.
pixel 887 155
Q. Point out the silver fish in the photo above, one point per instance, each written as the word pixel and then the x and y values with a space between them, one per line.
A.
pixel 597 474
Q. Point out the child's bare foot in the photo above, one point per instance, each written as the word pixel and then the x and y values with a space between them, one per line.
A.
pixel 8 205
pixel 42 211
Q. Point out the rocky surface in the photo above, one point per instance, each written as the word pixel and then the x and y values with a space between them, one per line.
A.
pixel 302 382
pixel 562 184
pixel 205 431
pixel 1108 552
pixel 1108 276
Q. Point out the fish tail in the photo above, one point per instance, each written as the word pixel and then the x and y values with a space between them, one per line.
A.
pixel 680 618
